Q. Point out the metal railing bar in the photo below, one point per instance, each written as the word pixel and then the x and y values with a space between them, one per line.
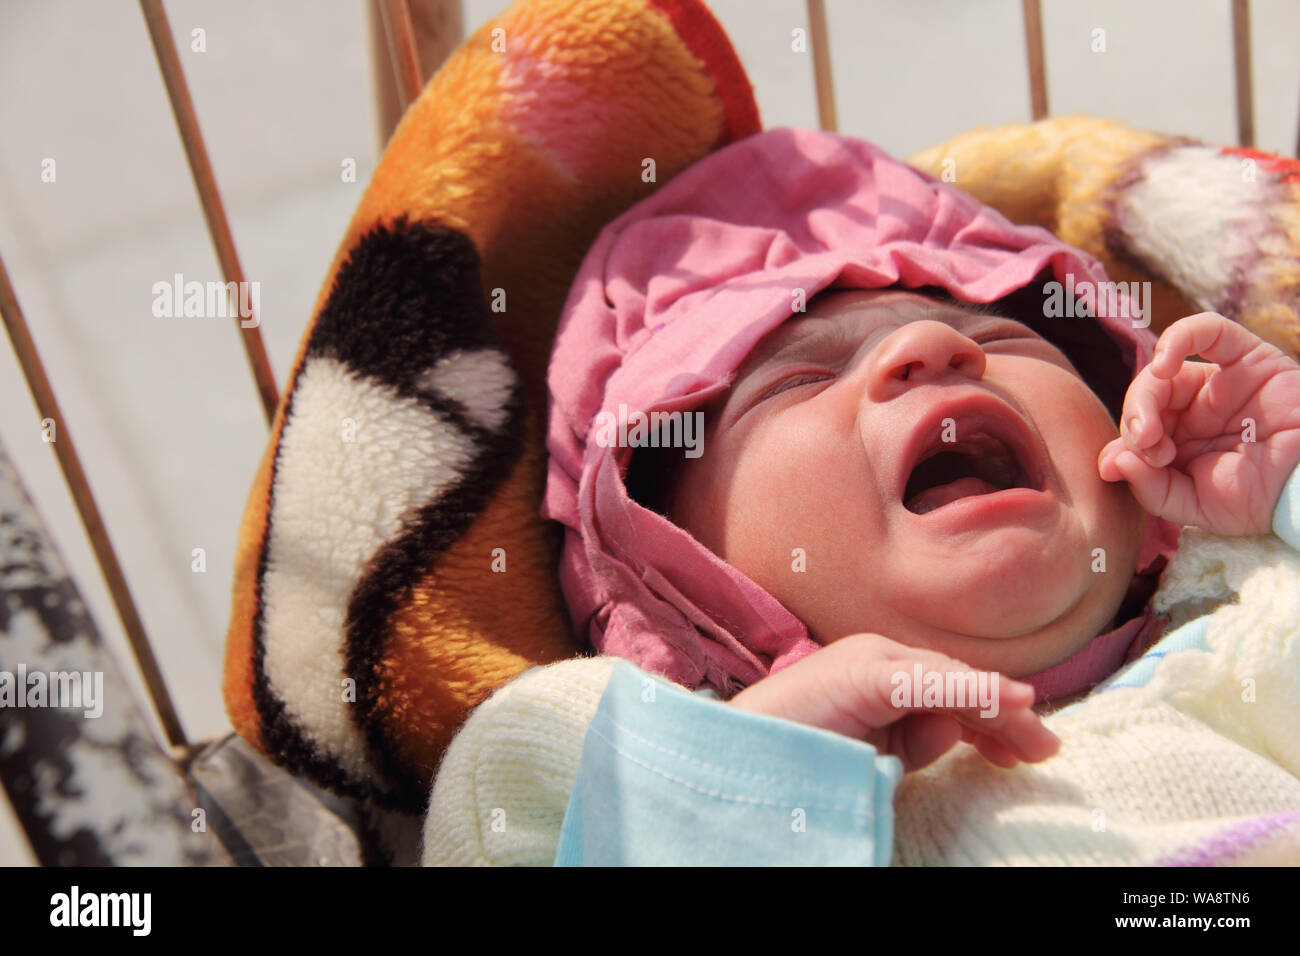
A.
pixel 64 449
pixel 821 54
pixel 1241 69
pixel 402 49
pixel 1036 60
pixel 209 195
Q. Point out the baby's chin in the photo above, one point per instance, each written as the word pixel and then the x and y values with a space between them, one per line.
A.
pixel 1010 581
pixel 1018 592
pixel 1018 622
pixel 1016 655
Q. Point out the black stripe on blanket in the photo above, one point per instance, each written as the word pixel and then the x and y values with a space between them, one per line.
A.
pixel 407 296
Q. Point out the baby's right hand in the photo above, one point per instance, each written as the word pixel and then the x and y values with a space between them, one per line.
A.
pixel 847 686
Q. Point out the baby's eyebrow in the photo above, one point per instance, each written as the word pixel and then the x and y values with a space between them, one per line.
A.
pixel 810 338
pixel 797 338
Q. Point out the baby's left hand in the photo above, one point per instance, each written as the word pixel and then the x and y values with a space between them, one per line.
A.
pixel 1209 443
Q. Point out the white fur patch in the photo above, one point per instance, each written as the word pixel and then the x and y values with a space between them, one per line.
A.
pixel 1195 217
pixel 479 380
pixel 335 503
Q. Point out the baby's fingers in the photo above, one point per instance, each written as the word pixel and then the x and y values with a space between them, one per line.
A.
pixel 1020 735
pixel 921 739
pixel 995 712
pixel 871 688
pixel 1160 491
pixel 991 749
pixel 882 681
pixel 1153 407
pixel 1207 334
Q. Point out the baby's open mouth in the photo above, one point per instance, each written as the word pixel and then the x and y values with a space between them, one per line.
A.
pixel 978 465
pixel 968 445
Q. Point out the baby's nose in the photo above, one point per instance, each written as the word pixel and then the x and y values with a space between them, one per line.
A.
pixel 922 351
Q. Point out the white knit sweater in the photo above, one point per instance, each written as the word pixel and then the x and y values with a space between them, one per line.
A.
pixel 1180 769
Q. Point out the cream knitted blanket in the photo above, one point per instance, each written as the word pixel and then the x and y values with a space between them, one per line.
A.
pixel 1198 765
pixel 1191 758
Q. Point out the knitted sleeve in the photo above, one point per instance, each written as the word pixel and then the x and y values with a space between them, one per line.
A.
pixel 593 761
pixel 671 778
pixel 503 785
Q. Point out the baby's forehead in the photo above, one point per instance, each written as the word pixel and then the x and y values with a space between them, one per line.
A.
pixel 870 306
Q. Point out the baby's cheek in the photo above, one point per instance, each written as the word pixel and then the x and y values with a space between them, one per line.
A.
pixel 1078 426
pixel 1076 429
pixel 796 515
pixel 1127 517
pixel 759 501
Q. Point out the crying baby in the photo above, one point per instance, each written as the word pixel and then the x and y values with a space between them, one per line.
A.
pixel 958 484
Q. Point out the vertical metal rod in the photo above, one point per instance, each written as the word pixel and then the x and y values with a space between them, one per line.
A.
pixel 1241 68
pixel 402 49
pixel 821 53
pixel 66 452
pixel 388 101
pixel 218 227
pixel 1037 62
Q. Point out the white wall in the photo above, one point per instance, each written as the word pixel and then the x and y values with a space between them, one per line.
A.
pixel 163 410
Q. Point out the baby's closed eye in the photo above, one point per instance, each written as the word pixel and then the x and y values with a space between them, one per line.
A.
pixel 1004 331
pixel 794 381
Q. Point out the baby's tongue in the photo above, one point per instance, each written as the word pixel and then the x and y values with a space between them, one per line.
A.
pixel 940 495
